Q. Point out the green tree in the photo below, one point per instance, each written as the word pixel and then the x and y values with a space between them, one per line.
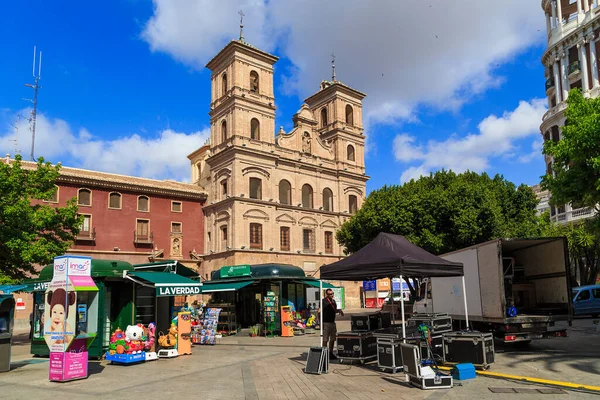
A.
pixel 444 212
pixel 32 232
pixel 583 237
pixel 576 157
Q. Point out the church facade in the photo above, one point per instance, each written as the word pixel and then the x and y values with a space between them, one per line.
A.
pixel 277 198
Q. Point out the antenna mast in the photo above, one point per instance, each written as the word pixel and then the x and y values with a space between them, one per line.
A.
pixel 333 67
pixel 35 87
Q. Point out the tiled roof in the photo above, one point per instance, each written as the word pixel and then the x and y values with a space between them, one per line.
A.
pixel 78 175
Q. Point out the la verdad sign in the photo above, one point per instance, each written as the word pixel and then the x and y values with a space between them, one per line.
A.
pixel 178 290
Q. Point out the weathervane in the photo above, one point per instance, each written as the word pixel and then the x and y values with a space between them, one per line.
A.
pixel 242 15
pixel 333 67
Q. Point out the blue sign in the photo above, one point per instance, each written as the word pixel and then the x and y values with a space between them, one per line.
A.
pixel 396 286
pixel 370 286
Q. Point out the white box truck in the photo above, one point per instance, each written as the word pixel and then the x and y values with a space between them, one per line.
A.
pixel 516 288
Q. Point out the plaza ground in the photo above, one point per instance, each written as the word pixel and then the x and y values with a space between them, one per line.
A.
pixel 241 367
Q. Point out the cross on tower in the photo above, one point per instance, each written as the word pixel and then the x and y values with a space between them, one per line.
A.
pixel 333 67
pixel 242 15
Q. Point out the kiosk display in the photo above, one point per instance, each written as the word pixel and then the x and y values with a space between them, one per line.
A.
pixel 70 317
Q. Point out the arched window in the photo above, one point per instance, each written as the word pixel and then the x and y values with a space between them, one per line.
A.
pixel 349 114
pixel 323 117
pixel 255 188
pixel 555 134
pixel 254 129
pixel 254 81
pixel 327 199
pixel 224 85
pixel 285 192
pixel 307 196
pixel 84 197
pixel 114 200
pixel 223 131
pixel 143 203
pixel 350 153
pixel 352 204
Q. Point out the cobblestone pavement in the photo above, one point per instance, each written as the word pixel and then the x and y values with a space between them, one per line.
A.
pixel 240 367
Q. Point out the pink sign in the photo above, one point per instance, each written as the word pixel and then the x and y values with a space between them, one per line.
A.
pixel 68 366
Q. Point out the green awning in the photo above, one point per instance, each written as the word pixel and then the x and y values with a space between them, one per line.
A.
pixel 315 283
pixel 210 287
pixel 166 284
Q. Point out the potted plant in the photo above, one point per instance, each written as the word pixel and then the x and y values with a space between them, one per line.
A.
pixel 254 331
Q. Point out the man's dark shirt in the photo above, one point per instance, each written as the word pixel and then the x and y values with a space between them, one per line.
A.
pixel 329 309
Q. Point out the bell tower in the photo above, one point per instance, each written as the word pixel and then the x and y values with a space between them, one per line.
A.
pixel 337 108
pixel 242 99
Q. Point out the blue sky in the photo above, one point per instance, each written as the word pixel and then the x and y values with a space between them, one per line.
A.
pixel 124 88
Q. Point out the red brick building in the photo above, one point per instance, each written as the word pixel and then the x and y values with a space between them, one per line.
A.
pixel 134 219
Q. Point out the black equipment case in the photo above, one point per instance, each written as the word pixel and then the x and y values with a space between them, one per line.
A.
pixel 415 372
pixel 438 323
pixel 433 351
pixel 472 347
pixel 389 355
pixel 361 346
pixel 365 322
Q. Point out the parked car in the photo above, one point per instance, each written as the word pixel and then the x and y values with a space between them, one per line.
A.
pixel 586 300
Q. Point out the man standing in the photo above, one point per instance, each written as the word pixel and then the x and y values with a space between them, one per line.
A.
pixel 329 328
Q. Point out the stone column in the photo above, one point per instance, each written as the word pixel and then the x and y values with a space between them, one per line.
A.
pixel 579 10
pixel 548 24
pixel 559 12
pixel 586 6
pixel 554 22
pixel 556 82
pixel 583 65
pixel 593 61
pixel 564 66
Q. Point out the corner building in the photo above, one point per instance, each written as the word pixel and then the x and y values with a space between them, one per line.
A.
pixel 277 198
pixel 570 61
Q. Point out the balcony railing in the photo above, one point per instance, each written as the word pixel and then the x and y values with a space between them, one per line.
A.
pixel 549 83
pixel 574 68
pixel 145 238
pixel 573 215
pixel 86 236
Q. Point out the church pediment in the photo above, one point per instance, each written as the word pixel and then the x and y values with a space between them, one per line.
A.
pixel 256 170
pixel 353 189
pixel 329 224
pixel 285 218
pixel 222 216
pixel 256 214
pixel 307 142
pixel 308 221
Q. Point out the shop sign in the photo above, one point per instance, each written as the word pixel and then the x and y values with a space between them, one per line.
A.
pixel 177 290
pixel 20 305
pixel 40 286
pixel 235 271
pixel 370 286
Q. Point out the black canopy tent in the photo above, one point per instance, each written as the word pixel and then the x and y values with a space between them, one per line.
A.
pixel 390 256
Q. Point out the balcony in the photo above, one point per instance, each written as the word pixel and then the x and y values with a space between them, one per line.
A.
pixel 86 236
pixel 550 87
pixel 573 215
pixel 574 71
pixel 143 238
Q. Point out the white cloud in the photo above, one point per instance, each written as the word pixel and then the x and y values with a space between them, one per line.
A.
pixel 400 53
pixel 496 137
pixel 536 151
pixel 160 157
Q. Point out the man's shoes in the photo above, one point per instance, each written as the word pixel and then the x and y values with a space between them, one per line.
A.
pixel 332 356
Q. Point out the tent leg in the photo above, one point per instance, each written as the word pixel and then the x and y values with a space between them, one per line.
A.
pixel 402 309
pixel 465 299
pixel 321 310
pixel 392 296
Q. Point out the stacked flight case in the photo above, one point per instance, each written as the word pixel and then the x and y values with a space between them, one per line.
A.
pixel 472 347
pixel 356 346
pixel 360 344
pixel 438 324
